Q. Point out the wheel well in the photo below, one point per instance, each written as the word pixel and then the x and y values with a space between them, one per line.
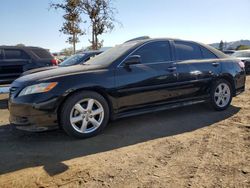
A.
pixel 99 91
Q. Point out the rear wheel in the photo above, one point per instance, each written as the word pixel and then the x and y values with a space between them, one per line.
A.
pixel 221 94
pixel 84 114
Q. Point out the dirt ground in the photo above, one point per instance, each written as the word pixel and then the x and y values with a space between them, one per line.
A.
pixel 186 147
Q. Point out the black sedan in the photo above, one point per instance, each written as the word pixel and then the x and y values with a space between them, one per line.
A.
pixel 243 55
pixel 72 60
pixel 139 76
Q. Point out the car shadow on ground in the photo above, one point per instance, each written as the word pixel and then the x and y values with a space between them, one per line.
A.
pixel 20 150
pixel 3 103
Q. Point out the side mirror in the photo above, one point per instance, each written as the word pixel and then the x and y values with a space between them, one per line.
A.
pixel 132 60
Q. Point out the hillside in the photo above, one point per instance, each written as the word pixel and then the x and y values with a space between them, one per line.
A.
pixel 233 44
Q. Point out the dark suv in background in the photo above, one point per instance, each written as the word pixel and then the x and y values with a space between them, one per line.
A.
pixel 14 60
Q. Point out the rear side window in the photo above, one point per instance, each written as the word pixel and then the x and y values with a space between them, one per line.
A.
pixel 154 52
pixel 15 54
pixel 41 53
pixel 207 54
pixel 187 50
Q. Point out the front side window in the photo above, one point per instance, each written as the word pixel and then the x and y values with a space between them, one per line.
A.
pixel 154 52
pixel 15 54
pixel 187 51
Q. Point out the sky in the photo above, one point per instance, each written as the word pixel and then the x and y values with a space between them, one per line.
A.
pixel 32 23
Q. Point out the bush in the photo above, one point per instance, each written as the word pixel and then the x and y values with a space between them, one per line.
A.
pixel 243 47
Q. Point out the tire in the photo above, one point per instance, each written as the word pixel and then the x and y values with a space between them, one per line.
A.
pixel 221 94
pixel 84 114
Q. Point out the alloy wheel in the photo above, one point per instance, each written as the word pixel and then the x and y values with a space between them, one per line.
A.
pixel 222 95
pixel 87 115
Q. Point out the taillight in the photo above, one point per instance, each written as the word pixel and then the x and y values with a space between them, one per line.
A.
pixel 241 64
pixel 54 62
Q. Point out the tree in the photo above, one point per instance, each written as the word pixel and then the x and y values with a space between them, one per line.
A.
pixel 101 15
pixel 72 18
pixel 221 46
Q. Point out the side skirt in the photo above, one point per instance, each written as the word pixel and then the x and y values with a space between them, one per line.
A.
pixel 157 108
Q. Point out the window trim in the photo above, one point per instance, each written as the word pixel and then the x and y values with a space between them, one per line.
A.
pixel 139 47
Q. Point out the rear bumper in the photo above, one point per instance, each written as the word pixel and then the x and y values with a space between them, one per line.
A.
pixel 247 67
pixel 33 117
pixel 240 90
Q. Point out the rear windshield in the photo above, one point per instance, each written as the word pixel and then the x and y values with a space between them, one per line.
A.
pixel 41 53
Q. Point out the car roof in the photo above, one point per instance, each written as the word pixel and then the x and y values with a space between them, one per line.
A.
pixel 141 41
pixel 21 47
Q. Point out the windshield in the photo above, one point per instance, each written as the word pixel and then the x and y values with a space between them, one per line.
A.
pixel 72 60
pixel 241 54
pixel 112 54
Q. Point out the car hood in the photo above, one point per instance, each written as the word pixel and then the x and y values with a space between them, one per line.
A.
pixel 58 72
pixel 39 70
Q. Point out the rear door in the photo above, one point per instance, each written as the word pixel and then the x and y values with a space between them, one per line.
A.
pixel 196 67
pixel 147 83
pixel 12 64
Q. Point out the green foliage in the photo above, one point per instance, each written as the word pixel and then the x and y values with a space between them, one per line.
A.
pixel 72 18
pixel 101 15
pixel 243 47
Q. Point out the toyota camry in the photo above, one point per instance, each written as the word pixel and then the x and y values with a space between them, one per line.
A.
pixel 139 76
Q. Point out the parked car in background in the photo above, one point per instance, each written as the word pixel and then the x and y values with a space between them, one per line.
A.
pixel 228 52
pixel 60 57
pixel 14 60
pixel 79 58
pixel 243 55
pixel 136 77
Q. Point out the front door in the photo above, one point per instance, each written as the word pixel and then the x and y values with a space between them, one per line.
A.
pixel 146 83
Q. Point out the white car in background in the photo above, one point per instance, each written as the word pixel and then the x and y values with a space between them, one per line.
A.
pixel 243 55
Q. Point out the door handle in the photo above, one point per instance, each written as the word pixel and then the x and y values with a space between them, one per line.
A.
pixel 171 69
pixel 215 64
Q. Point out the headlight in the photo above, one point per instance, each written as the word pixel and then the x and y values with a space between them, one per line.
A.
pixel 38 88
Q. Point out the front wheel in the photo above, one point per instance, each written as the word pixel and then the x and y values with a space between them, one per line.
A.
pixel 221 94
pixel 84 114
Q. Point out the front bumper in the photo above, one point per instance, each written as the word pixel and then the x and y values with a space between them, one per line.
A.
pixel 35 117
